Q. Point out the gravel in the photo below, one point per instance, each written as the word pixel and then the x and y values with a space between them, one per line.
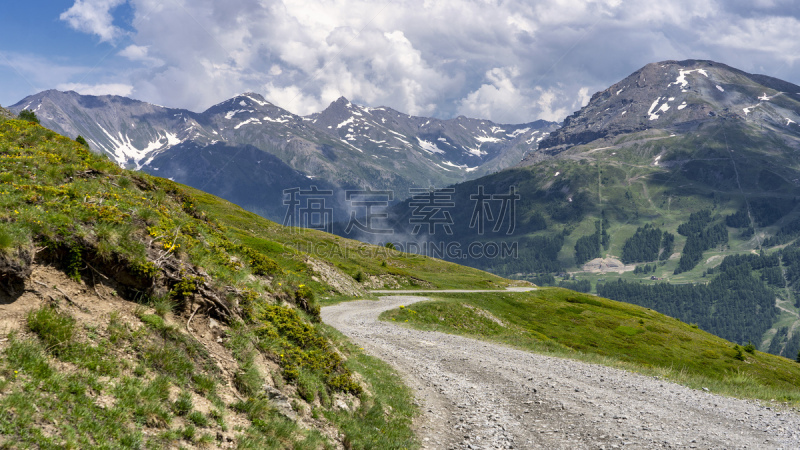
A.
pixel 480 395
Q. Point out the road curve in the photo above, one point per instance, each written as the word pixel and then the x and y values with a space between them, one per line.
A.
pixel 480 395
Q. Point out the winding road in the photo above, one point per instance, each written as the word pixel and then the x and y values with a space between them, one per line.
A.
pixel 480 395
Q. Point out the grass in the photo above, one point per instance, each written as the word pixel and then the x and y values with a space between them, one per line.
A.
pixel 87 216
pixel 289 246
pixel 568 324
pixel 382 420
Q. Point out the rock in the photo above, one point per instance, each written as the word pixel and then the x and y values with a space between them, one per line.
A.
pixel 281 403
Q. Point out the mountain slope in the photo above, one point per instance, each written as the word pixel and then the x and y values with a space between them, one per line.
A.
pixel 138 312
pixel 346 146
pixel 474 146
pixel 680 95
pixel 636 186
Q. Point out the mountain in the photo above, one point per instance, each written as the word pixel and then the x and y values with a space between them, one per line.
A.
pixel 346 146
pixel 679 95
pixel 662 178
pixel 140 313
pixel 474 146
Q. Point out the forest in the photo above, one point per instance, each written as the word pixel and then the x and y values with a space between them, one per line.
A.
pixel 699 238
pixel 587 248
pixel 647 244
pixel 736 304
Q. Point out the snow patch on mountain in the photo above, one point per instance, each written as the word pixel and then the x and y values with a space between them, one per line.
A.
pixel 246 122
pixel 346 122
pixel 428 146
pixel 720 88
pixel 483 139
pixel 474 151
pixel 461 167
pixel 124 151
pixel 229 115
pixel 681 80
pixel 516 133
pixel 351 146
pixel 256 100
pixel 281 119
pixel 663 108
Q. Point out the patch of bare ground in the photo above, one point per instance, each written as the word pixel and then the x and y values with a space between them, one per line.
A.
pixel 606 265
pixel 95 306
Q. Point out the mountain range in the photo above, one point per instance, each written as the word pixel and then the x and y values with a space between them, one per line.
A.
pixel 685 172
pixel 248 150
pixel 665 176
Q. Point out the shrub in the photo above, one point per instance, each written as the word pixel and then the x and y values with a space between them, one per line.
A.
pixel 28 115
pixel 186 287
pixel 750 348
pixel 82 141
pixel 739 355
pixel 304 297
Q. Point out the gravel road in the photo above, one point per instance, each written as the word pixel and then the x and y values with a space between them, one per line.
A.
pixel 480 395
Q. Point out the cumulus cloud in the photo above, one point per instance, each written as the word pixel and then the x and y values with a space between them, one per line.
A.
pixel 140 53
pixel 93 17
pixel 97 89
pixel 509 61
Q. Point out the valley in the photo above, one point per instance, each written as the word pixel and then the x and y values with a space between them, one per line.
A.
pixel 685 208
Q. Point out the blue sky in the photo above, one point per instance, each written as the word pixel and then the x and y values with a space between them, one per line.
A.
pixel 506 60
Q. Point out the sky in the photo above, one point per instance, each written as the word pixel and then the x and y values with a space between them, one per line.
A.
pixel 510 61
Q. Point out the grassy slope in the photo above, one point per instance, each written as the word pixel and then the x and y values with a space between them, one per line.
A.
pixel 695 171
pixel 590 328
pixel 619 176
pixel 288 246
pixel 169 247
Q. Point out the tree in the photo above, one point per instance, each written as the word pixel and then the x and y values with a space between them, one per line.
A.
pixel 82 141
pixel 28 115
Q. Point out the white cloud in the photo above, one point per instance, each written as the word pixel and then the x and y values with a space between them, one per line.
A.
pixel 140 53
pixel 97 89
pixel 93 17
pixel 497 98
pixel 510 61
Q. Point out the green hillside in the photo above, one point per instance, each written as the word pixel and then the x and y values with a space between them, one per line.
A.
pixel 661 207
pixel 140 313
pixel 581 326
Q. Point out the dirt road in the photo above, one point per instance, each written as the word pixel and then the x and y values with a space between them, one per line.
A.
pixel 480 395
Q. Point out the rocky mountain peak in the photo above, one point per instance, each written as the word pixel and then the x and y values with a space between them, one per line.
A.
pixel 675 95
